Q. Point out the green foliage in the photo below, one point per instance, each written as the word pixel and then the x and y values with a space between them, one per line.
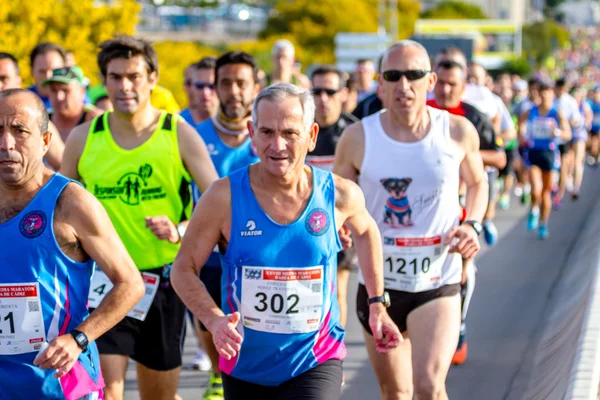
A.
pixel 519 66
pixel 454 10
pixel 542 38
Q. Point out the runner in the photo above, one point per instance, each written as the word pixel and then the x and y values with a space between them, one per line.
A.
pixel 542 125
pixel 188 86
pixel 372 103
pixel 580 137
pixel 329 94
pixel 45 58
pixel 569 108
pixel 365 77
pixel 273 224
pixel 408 160
pixel 228 140
pixel 595 130
pixel 67 93
pixel 135 160
pixel 56 230
pixel 282 56
pixel 448 91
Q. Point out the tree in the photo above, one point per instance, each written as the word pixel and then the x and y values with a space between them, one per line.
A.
pixel 542 38
pixel 77 25
pixel 454 10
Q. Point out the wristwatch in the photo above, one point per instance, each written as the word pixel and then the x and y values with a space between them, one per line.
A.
pixel 476 226
pixel 81 339
pixel 385 299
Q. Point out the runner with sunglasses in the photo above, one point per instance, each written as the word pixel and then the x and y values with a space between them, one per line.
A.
pixel 200 89
pixel 330 93
pixel 408 160
pixel 228 141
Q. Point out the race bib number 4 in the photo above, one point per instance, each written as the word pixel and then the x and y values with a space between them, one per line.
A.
pixel 21 321
pixel 282 300
pixel 413 264
pixel 101 285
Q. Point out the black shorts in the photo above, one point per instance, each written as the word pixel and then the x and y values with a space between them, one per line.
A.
pixel 323 382
pixel 543 159
pixel 211 277
pixel 564 148
pixel 156 342
pixel 594 133
pixel 403 303
pixel 346 259
pixel 510 158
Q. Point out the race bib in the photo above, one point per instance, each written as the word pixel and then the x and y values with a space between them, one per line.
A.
pixel 21 321
pixel 596 120
pixel 413 264
pixel 282 300
pixel 542 131
pixel 101 285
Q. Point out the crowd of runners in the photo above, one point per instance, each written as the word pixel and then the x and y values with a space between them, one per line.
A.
pixel 395 170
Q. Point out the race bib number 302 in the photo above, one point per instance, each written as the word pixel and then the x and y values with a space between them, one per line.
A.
pixel 413 264
pixel 101 285
pixel 21 320
pixel 282 300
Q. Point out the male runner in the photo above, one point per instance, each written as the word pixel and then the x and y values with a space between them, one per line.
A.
pixel 45 58
pixel 67 90
pixel 137 161
pixel 282 55
pixel 365 77
pixel 540 129
pixel 200 89
pixel 52 231
pixel 228 140
pixel 329 93
pixel 276 224
pixel 408 160
pixel 448 91
pixel 595 130
pixel 579 140
pixel 188 86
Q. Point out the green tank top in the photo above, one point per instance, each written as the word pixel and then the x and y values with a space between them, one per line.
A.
pixel 147 181
pixel 512 144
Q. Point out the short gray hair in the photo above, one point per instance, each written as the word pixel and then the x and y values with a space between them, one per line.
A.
pixel 401 44
pixel 283 44
pixel 281 91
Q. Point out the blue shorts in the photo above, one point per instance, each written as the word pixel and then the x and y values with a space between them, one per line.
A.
pixel 546 160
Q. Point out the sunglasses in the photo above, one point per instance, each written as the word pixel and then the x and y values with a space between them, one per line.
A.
pixel 65 71
pixel 203 85
pixel 329 92
pixel 394 75
pixel 448 64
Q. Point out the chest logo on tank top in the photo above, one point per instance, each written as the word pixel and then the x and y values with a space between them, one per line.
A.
pixel 33 224
pixel 132 188
pixel 397 211
pixel 317 222
pixel 251 229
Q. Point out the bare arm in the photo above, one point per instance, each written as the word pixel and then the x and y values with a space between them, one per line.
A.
pixel 55 152
pixel 493 158
pixel 73 151
pixel 496 122
pixel 195 156
pixel 523 125
pixel 565 127
pixel 349 152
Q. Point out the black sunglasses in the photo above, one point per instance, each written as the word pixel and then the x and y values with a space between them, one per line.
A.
pixel 394 75
pixel 449 64
pixel 202 85
pixel 329 92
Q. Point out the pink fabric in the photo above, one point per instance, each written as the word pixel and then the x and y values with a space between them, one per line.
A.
pixel 327 347
pixel 65 324
pixel 77 383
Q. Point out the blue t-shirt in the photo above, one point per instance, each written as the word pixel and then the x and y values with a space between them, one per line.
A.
pixel 540 129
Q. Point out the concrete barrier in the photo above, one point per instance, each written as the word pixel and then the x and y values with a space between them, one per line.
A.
pixel 566 360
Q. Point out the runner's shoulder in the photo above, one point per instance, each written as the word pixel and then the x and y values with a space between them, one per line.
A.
pixel 76 205
pixel 218 193
pixel 78 137
pixel 347 192
pixel 463 132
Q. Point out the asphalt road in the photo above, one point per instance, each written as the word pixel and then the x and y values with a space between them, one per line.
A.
pixel 514 281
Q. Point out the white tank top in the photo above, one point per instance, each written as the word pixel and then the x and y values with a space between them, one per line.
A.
pixel 411 191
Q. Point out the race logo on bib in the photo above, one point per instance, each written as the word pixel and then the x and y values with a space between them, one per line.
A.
pixel 33 224
pixel 317 222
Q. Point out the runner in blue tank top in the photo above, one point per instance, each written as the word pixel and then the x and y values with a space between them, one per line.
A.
pixel 276 223
pixel 595 130
pixel 55 230
pixel 541 128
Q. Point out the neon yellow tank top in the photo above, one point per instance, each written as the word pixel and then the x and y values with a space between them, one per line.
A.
pixel 147 181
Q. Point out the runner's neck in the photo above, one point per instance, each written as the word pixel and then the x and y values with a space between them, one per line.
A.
pixel 136 124
pixel 406 127
pixel 292 184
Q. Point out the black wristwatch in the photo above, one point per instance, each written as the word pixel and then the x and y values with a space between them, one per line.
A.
pixel 476 226
pixel 385 299
pixel 81 339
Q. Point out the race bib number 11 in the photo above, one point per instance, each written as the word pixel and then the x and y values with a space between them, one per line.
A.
pixel 21 320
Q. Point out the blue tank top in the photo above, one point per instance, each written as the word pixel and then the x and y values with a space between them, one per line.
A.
pixel 596 121
pixel 540 129
pixel 62 285
pixel 281 279
pixel 187 116
pixel 226 160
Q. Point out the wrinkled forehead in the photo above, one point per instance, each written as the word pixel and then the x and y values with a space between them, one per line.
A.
pixel 406 58
pixel 279 115
pixel 17 109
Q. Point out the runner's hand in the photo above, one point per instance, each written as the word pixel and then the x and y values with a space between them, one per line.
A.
pixel 463 240
pixel 345 238
pixel 226 338
pixel 385 332
pixel 61 354
pixel 163 228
